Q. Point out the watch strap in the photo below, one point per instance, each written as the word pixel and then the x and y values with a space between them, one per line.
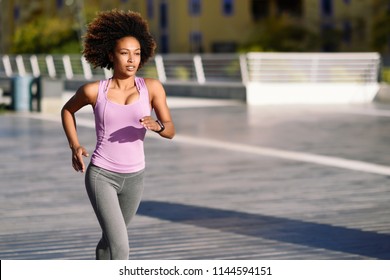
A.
pixel 161 125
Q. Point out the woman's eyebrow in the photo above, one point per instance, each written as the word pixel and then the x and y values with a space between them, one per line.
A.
pixel 135 49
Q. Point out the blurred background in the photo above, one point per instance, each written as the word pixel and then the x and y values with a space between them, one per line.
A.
pixel 272 182
pixel 197 26
pixel 32 30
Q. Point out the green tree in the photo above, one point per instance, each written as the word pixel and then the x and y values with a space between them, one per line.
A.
pixel 46 35
pixel 281 33
pixel 381 26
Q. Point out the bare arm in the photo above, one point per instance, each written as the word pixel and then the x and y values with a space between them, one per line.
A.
pixel 85 95
pixel 159 104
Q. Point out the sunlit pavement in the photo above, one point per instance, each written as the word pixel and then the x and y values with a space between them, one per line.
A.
pixel 237 182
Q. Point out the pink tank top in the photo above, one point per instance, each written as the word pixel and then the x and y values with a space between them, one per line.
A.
pixel 120 136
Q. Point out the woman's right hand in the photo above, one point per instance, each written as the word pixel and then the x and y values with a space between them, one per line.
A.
pixel 77 158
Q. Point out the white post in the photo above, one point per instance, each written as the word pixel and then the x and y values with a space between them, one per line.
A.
pixel 160 68
pixel 86 68
pixel 67 67
pixel 20 65
pixel 107 73
pixel 35 65
pixel 50 66
pixel 244 69
pixel 7 66
pixel 199 69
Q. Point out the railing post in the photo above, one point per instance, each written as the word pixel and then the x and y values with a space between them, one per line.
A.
pixel 86 68
pixel 35 66
pixel 50 66
pixel 107 73
pixel 7 66
pixel 67 67
pixel 199 69
pixel 20 65
pixel 160 68
pixel 244 69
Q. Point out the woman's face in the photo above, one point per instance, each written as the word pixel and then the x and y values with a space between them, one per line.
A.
pixel 126 56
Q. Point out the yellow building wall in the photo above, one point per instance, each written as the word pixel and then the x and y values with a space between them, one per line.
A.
pixel 211 23
pixel 179 25
pixel 217 27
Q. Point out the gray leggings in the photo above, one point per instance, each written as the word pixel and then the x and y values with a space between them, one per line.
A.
pixel 115 198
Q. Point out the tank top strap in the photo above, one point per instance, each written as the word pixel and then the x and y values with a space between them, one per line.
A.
pixel 141 86
pixel 140 83
pixel 103 87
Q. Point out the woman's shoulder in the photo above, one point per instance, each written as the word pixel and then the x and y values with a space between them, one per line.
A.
pixel 153 84
pixel 89 91
pixel 90 87
pixel 151 80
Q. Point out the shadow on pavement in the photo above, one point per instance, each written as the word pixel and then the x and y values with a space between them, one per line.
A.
pixel 329 237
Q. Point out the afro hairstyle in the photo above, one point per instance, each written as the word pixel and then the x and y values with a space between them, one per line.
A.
pixel 110 26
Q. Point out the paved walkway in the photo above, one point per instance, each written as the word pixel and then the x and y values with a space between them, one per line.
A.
pixel 237 182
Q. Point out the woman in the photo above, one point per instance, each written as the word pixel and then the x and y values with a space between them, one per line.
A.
pixel 122 107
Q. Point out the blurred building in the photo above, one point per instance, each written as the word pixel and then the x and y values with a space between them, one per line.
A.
pixel 344 25
pixel 211 25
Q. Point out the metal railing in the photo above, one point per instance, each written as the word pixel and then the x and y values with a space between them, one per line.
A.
pixel 213 68
pixel 167 68
pixel 313 67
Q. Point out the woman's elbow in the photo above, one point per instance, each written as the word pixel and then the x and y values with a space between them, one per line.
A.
pixel 170 133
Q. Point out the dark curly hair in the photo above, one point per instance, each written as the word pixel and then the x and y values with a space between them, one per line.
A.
pixel 110 26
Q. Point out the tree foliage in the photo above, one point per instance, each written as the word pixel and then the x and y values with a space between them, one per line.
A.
pixel 46 35
pixel 281 33
pixel 381 26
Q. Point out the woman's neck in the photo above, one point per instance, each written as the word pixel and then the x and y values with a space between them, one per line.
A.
pixel 123 83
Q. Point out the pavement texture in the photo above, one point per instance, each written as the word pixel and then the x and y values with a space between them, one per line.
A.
pixel 237 182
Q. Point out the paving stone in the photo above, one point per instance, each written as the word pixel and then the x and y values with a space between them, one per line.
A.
pixel 214 191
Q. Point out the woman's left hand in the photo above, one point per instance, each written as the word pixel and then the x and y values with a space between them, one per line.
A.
pixel 149 123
